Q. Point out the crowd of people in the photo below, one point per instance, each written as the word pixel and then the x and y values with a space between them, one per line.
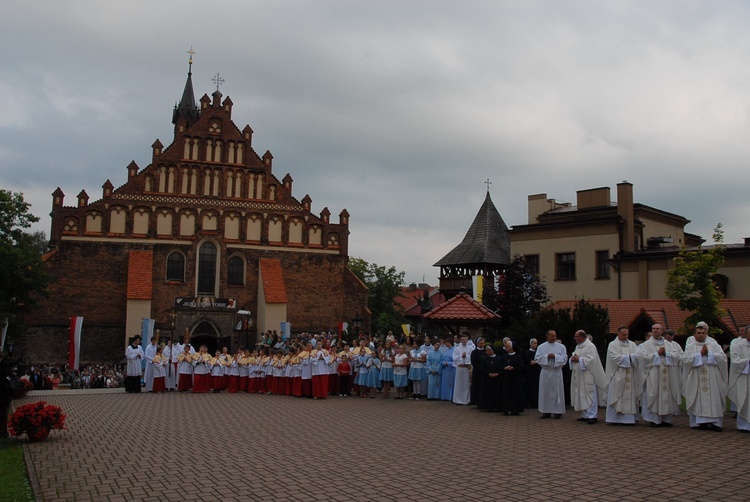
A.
pixel 50 377
pixel 641 382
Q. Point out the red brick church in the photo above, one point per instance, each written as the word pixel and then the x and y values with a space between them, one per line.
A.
pixel 206 240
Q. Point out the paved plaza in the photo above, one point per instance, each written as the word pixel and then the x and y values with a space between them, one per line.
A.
pixel 239 447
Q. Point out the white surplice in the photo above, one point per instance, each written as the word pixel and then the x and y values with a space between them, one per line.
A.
pixel 462 383
pixel 739 381
pixel 704 382
pixel 624 382
pixel 661 380
pixel 148 377
pixel 588 380
pixel 551 386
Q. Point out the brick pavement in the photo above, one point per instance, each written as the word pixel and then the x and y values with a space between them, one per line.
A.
pixel 122 447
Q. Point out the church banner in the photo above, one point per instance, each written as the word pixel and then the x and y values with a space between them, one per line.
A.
pixel 286 330
pixel 74 345
pixel 147 331
pixel 204 303
pixel 477 284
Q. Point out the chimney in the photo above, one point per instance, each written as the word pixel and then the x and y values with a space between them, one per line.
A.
pixel 538 204
pixel 625 211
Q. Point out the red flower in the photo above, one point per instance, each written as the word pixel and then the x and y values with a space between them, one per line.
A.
pixel 32 417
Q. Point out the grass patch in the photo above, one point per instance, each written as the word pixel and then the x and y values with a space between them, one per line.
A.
pixel 13 479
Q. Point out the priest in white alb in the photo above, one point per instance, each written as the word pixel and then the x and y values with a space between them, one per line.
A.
pixel 551 357
pixel 462 362
pixel 148 376
pixel 588 380
pixel 624 380
pixel 704 380
pixel 739 378
pixel 659 362
pixel 743 335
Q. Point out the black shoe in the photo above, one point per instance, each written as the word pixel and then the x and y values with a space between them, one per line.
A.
pixel 592 421
pixel 558 416
pixel 655 425
pixel 703 426
pixel 715 428
pixel 545 415
pixel 667 424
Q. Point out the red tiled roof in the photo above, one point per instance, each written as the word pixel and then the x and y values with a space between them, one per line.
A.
pixel 272 276
pixel 461 306
pixel 140 275
pixel 408 297
pixel 664 312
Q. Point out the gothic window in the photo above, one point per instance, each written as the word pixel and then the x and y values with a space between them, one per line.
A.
pixel 207 257
pixel 314 238
pixel 94 223
pixel 295 232
pixel 164 223
pixel 176 267
pixel 274 230
pixel 253 228
pixel 117 221
pixel 232 227
pixel 187 224
pixel 185 181
pixel 162 179
pixel 71 226
pixel 140 222
pixel 210 222
pixel 171 180
pixel 236 271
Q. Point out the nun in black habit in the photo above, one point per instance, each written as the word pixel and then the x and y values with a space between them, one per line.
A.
pixel 492 371
pixel 513 396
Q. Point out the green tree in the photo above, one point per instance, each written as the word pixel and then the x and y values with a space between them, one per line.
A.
pixel 517 296
pixel 691 282
pixel 521 294
pixel 21 274
pixel 585 315
pixel 384 287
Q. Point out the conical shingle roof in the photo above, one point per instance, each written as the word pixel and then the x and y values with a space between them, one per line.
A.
pixel 487 240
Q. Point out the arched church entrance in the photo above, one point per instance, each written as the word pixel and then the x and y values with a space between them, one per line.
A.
pixel 206 334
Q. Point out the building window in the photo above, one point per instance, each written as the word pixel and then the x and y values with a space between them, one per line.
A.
pixel 176 267
pixel 207 269
pixel 566 266
pixel 236 271
pixel 602 264
pixel 532 264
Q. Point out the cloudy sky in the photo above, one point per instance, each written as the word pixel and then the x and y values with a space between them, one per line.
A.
pixel 397 111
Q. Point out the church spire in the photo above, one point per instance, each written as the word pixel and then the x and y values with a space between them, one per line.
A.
pixel 186 109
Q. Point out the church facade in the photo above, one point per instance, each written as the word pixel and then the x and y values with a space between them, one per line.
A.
pixel 205 240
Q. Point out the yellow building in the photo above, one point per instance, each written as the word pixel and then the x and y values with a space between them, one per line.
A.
pixel 600 249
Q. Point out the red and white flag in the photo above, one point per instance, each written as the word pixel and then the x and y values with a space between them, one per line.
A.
pixel 74 346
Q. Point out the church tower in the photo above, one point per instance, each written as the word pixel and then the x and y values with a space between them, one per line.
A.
pixel 206 240
pixel 485 251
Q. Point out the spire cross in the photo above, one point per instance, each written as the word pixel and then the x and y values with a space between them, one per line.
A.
pixel 488 183
pixel 217 80
pixel 190 61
